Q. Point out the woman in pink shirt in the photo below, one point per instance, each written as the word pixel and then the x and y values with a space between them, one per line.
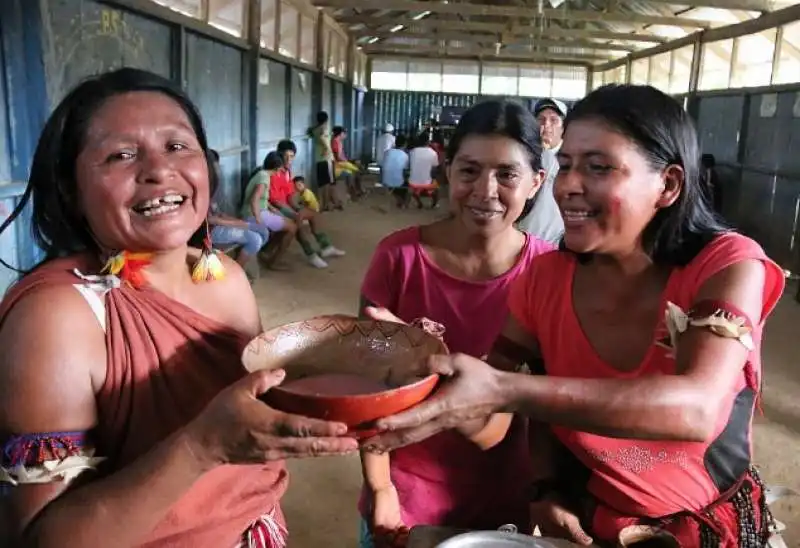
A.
pixel 645 332
pixel 457 272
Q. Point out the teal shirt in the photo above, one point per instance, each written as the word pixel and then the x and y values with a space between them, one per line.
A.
pixel 260 178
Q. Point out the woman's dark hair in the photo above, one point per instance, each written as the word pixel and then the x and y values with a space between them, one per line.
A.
pixel 213 155
pixel 499 117
pixel 273 161
pixel 59 226
pixel 665 134
pixel 286 145
pixel 338 130
pixel 400 141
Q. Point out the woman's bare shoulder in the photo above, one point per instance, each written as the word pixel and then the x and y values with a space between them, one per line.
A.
pixel 53 361
pixel 232 296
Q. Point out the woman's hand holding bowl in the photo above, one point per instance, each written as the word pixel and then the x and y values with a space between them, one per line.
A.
pixel 470 389
pixel 237 428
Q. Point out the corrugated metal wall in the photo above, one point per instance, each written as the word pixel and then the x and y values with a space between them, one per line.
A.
pixel 359 131
pixel 301 119
pixel 273 113
pixel 755 138
pixel 222 107
pixel 338 104
pixel 408 111
pixel 327 95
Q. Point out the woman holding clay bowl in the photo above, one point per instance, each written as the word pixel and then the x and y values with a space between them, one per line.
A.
pixel 643 334
pixel 126 417
pixel 452 272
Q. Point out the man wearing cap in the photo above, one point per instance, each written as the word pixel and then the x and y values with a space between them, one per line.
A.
pixel 385 143
pixel 544 219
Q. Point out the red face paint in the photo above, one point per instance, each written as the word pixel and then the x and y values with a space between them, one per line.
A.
pixel 615 207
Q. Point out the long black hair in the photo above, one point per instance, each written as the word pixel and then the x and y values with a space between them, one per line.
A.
pixel 506 118
pixel 58 224
pixel 665 134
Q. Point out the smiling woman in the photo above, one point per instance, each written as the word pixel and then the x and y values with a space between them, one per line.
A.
pixel 129 399
pixel 457 272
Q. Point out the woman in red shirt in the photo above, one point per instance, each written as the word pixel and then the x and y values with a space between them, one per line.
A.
pixel 644 333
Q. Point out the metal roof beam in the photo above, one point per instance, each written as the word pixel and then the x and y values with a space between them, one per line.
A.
pixel 437 25
pixel 745 5
pixel 516 12
pixel 486 54
pixel 473 59
pixel 493 38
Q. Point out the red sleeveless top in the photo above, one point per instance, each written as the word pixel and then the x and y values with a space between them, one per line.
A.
pixel 165 363
pixel 639 477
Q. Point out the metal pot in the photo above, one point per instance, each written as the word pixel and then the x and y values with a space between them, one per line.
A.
pixel 505 537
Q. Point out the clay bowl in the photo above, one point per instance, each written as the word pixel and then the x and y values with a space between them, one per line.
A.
pixel 343 369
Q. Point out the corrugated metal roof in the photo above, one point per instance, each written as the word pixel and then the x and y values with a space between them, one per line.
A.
pixel 624 27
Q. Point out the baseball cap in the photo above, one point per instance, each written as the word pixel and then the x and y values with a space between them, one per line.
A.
pixel 554 104
pixel 388 128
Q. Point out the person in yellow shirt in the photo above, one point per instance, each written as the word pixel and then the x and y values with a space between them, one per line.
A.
pixel 304 195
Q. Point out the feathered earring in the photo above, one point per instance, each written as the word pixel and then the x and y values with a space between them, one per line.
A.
pixel 128 267
pixel 208 267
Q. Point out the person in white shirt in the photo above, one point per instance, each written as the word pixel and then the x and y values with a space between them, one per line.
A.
pixel 385 143
pixel 423 160
pixel 543 219
pixel 394 172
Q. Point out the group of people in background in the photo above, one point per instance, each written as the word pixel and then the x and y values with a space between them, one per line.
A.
pixel 411 169
pixel 278 207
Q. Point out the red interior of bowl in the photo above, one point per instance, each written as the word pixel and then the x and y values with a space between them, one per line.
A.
pixel 340 368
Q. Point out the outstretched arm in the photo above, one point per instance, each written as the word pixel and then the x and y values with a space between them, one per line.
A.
pixel 514 349
pixel 684 406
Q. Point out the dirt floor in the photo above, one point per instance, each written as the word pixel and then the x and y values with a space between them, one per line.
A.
pixel 321 502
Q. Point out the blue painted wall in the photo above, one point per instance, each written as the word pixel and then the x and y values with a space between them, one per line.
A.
pixel 82 38
pixel 215 82
pixel 22 115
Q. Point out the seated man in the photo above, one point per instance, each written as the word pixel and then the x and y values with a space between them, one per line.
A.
pixel 424 163
pixel 394 172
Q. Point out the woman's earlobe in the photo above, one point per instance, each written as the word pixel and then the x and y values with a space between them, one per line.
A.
pixel 673 181
pixel 538 181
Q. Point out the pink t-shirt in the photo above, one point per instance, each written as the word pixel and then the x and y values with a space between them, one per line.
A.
pixel 650 478
pixel 447 480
